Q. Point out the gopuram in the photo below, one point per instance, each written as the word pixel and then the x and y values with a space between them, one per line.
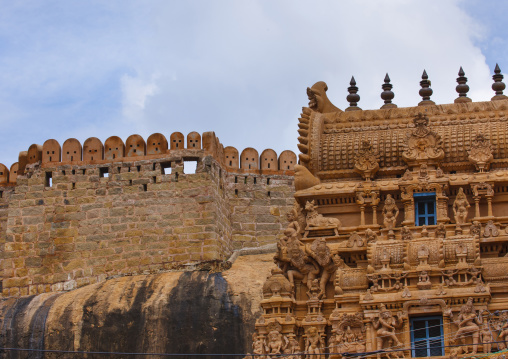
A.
pixel 397 245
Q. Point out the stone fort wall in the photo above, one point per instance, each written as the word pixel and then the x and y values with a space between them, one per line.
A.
pixel 68 220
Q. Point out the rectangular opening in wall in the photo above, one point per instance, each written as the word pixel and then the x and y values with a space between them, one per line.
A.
pixel 189 167
pixel 73 185
pixel 236 179
pixel 145 187
pixel 104 172
pixel 236 192
pixel 269 194
pixel 267 181
pixel 138 168
pixel 48 179
pixel 255 180
pixel 1 194
pixel 166 168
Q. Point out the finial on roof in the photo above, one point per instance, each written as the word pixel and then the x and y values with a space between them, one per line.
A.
pixel 387 95
pixel 353 97
pixel 462 88
pixel 425 92
pixel 498 86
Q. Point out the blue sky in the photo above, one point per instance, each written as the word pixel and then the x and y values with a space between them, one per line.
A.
pixel 239 68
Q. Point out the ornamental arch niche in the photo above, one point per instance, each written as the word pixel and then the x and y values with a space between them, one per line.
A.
pixel 51 151
pixel 194 140
pixel 176 141
pixel 4 173
pixel 269 160
pixel 13 173
pixel 156 144
pixel 135 146
pixel 287 160
pixel 93 149
pixel 231 157
pixel 34 153
pixel 249 159
pixel 71 150
pixel 113 148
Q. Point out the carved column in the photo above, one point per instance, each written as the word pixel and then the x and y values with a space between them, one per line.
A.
pixel 374 214
pixel 362 215
pixel 477 206
pixel 409 215
pixel 489 205
pixel 442 208
pixel 370 337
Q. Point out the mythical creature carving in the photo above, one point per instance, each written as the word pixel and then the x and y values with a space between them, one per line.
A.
pixel 385 324
pixel 318 101
pixel 355 240
pixel 480 153
pixel 370 236
pixel 476 229
pixel 423 145
pixel 390 212
pixel 315 219
pixel 468 325
pixel 366 161
pixel 460 207
pixel 320 252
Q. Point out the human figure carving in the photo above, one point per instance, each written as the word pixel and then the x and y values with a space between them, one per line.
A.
pixel 320 252
pixel 302 266
pixel 440 231
pixel 406 233
pixel 292 347
pixel 313 344
pixel 469 325
pixel 390 212
pixel 503 334
pixel 315 219
pixel 275 343
pixel 258 346
pixel 385 324
pixel 460 207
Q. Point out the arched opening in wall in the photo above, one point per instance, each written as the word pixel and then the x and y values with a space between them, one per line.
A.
pixel 189 167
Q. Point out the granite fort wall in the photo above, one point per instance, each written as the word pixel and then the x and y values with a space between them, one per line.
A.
pixel 66 224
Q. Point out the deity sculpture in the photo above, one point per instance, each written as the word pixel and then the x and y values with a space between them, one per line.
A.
pixel 390 212
pixel 385 324
pixel 320 252
pixel 275 343
pixel 302 266
pixel 258 346
pixel 503 334
pixel 460 207
pixel 480 152
pixel 424 281
pixel 292 347
pixel 468 324
pixel 313 344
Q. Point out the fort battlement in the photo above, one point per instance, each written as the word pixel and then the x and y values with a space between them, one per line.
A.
pixel 135 148
pixel 76 215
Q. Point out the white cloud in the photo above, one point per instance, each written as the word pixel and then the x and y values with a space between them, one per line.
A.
pixel 135 94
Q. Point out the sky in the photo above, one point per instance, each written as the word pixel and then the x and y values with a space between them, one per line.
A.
pixel 240 68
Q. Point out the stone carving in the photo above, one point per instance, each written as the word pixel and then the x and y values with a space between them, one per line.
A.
pixel 315 219
pixel 314 344
pixel 486 337
pixel 297 221
pixel 370 236
pixel 258 346
pixel 385 325
pixel 424 281
pixel 490 230
pixel 302 266
pixel 440 231
pixel 320 252
pixel 468 325
pixel 480 153
pixel 422 145
pixel 407 176
pixel 439 172
pixel 355 240
pixel 347 334
pixel 368 295
pixel 390 212
pixel 423 173
pixel 476 229
pixel 277 285
pixel 460 207
pixel 406 293
pixel 366 161
pixel 275 342
pixel 318 100
pixel 503 330
pixel 406 233
pixel 292 347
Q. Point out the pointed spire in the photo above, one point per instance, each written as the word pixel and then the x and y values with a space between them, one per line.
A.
pixel 353 97
pixel 387 95
pixel 425 91
pixel 498 86
pixel 462 88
